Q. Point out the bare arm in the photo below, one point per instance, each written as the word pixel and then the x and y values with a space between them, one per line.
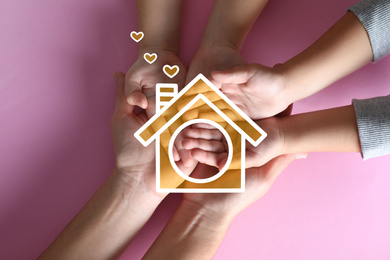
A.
pixel 344 48
pixel 263 92
pixel 191 233
pixel 230 22
pixel 331 130
pixel 123 204
pixel 106 224
pixel 199 225
pixel 226 30
pixel 161 22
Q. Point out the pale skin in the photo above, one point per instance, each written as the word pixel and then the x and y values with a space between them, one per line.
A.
pixel 229 23
pixel 161 36
pixel 227 28
pixel 331 130
pixel 117 211
pixel 263 92
pixel 199 225
pixel 123 204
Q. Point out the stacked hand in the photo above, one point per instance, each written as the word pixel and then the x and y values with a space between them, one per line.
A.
pixel 209 147
pixel 257 90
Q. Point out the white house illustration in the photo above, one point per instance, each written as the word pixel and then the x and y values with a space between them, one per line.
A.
pixel 199 101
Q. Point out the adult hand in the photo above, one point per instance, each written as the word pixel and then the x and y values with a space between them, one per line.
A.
pixel 226 206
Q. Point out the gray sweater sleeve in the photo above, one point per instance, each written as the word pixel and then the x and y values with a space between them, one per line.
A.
pixel 373 119
pixel 373 115
pixel 375 17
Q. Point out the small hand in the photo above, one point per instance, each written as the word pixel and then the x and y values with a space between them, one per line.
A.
pixel 257 90
pixel 142 77
pixel 206 144
pixel 202 137
pixel 141 80
pixel 134 162
pixel 213 151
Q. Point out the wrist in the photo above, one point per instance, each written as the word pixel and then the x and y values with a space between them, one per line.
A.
pixel 285 127
pixel 215 41
pixel 289 90
pixel 133 185
pixel 165 47
pixel 214 219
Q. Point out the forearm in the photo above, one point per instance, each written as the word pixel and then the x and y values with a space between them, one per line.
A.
pixel 192 232
pixel 160 21
pixel 343 49
pixel 331 130
pixel 230 22
pixel 106 224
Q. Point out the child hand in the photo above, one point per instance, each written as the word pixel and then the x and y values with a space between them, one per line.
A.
pixel 142 77
pixel 257 90
pixel 211 150
pixel 206 143
pixel 197 136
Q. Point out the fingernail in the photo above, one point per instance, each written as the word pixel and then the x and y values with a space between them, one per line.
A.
pixel 301 156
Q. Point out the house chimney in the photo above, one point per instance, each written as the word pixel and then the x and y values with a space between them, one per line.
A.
pixel 164 93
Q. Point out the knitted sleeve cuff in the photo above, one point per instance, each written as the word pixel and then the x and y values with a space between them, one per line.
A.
pixel 375 17
pixel 373 120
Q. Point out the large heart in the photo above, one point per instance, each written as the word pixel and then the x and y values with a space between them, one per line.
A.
pixel 171 71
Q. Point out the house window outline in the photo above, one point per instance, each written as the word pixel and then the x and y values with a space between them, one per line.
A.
pixel 230 150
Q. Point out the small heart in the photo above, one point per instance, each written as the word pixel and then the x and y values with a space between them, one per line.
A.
pixel 136 36
pixel 150 57
pixel 171 71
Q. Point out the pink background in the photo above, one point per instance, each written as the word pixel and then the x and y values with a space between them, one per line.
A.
pixel 57 59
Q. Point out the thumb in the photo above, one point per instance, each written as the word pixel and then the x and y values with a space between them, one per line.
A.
pixel 235 75
pixel 279 164
pixel 134 95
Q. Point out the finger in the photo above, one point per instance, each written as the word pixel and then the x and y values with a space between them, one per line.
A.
pixel 235 75
pixel 203 126
pixel 137 99
pixel 206 145
pixel 186 158
pixel 208 134
pixel 222 163
pixel 134 95
pixel 209 158
pixel 175 154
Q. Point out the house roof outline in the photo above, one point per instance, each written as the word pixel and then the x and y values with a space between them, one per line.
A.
pixel 198 97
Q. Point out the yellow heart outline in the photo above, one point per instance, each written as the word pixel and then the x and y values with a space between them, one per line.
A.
pixel 136 36
pixel 150 57
pixel 170 70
